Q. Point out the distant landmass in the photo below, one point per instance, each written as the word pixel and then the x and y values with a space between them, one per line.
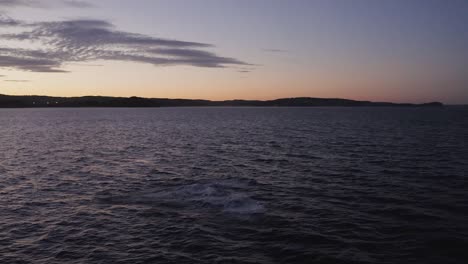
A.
pixel 10 101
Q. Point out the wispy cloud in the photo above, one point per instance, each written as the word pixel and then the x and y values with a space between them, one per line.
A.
pixel 87 64
pixel 6 21
pixel 88 40
pixel 78 4
pixel 275 50
pixel 45 4
pixel 17 81
pixel 22 61
pixel 14 3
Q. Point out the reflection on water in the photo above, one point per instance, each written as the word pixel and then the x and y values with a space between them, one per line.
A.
pixel 233 185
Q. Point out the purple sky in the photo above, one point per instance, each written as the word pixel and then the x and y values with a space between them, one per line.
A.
pixel 413 51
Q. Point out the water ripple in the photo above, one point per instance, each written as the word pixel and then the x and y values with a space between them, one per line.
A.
pixel 233 185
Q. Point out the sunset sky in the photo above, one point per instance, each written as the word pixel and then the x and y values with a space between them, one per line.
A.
pixel 388 50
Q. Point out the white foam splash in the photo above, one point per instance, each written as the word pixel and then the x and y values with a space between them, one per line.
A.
pixel 219 195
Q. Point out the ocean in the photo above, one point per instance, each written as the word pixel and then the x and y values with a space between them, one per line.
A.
pixel 234 185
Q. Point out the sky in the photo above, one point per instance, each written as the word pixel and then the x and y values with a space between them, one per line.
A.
pixel 387 50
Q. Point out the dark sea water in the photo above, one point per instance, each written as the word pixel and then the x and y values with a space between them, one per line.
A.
pixel 234 185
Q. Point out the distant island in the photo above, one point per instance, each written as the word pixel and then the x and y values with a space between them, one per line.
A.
pixel 11 101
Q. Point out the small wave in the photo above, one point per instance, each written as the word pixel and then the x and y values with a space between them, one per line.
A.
pixel 142 161
pixel 243 205
pixel 211 194
pixel 225 196
pixel 302 156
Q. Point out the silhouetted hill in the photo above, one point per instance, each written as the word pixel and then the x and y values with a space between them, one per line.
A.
pixel 105 101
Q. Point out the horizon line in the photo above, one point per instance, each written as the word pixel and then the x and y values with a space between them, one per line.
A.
pixel 224 100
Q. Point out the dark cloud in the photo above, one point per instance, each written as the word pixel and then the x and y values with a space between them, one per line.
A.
pixel 29 60
pixel 6 21
pixel 29 64
pixel 17 81
pixel 92 33
pixel 195 57
pixel 89 40
pixel 190 53
pixel 243 71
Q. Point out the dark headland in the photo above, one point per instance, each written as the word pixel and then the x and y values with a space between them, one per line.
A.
pixel 10 101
